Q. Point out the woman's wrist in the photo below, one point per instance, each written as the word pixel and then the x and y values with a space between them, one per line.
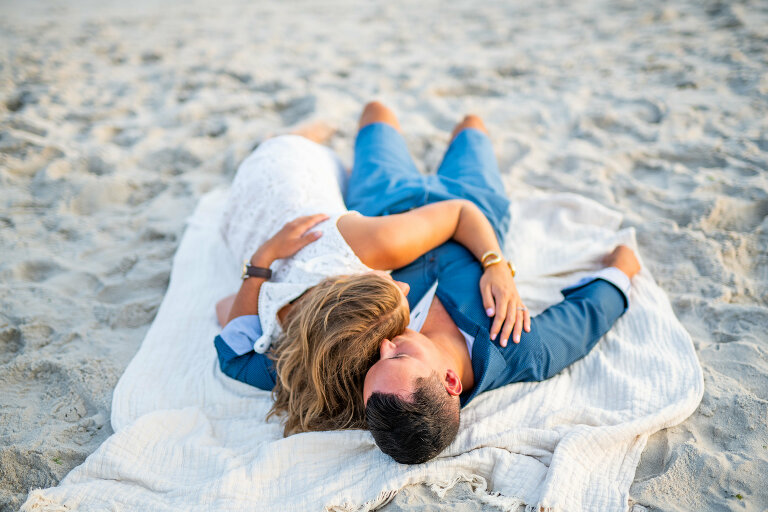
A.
pixel 501 266
pixel 262 258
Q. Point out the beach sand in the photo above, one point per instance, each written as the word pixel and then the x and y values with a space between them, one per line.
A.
pixel 115 119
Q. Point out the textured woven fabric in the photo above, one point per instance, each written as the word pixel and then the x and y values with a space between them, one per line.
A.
pixel 189 438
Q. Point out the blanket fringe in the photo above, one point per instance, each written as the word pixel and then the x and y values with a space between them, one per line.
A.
pixel 477 484
pixel 382 499
pixel 36 502
pixel 537 508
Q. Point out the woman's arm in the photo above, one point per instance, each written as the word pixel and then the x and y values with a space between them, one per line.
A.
pixel 246 301
pixel 394 241
pixel 288 241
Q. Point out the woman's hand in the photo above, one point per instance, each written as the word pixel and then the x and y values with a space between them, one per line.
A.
pixel 502 301
pixel 294 236
pixel 287 242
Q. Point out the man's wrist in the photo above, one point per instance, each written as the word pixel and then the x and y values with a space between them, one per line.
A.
pixel 622 270
pixel 626 269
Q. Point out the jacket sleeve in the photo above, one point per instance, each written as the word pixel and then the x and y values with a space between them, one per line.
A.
pixel 238 360
pixel 565 332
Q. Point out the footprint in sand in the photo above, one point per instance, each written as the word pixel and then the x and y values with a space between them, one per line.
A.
pixel 101 194
pixel 734 214
pixel 36 270
pixel 10 340
pixel 127 137
pixel 296 109
pixel 133 290
pixel 172 161
pixel 664 177
pixel 695 157
pixel 478 89
pixel 132 315
pixel 18 99
pixel 35 335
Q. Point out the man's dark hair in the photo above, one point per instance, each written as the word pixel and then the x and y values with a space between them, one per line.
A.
pixel 416 430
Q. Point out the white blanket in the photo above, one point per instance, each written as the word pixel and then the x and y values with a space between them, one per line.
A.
pixel 189 438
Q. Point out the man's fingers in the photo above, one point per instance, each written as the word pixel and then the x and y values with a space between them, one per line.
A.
pixel 527 321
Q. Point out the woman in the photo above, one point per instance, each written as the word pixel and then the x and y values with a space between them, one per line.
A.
pixel 332 326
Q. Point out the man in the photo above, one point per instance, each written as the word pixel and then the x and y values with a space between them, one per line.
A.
pixel 452 350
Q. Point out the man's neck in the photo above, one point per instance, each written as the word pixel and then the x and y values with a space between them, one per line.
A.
pixel 442 330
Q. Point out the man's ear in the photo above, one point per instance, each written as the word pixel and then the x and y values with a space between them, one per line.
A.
pixel 452 383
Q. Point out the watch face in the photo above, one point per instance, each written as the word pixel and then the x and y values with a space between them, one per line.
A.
pixel 244 275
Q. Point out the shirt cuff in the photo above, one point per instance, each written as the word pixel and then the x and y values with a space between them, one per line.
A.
pixel 241 333
pixel 611 274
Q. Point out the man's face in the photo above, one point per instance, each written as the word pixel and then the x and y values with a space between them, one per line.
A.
pixel 402 360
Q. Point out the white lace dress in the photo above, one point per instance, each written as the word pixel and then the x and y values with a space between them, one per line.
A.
pixel 284 178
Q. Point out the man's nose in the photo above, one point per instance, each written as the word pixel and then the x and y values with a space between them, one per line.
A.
pixel 387 349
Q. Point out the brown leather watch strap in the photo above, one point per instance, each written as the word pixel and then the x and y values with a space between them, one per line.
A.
pixel 251 271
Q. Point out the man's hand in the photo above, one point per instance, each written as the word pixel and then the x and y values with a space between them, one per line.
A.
pixel 502 301
pixel 624 259
pixel 294 236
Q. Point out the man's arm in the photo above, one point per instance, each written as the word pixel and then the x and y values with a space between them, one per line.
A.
pixel 237 358
pixel 567 331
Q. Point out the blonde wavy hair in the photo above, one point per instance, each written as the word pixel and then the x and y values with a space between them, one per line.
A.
pixel 330 340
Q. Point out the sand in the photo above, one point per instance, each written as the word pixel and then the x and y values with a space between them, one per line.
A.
pixel 115 119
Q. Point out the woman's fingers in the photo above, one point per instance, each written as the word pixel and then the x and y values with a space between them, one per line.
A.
pixel 305 225
pixel 310 221
pixel 518 330
pixel 517 319
pixel 501 314
pixel 296 235
pixel 502 301
pixel 485 291
pixel 309 237
pixel 508 324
